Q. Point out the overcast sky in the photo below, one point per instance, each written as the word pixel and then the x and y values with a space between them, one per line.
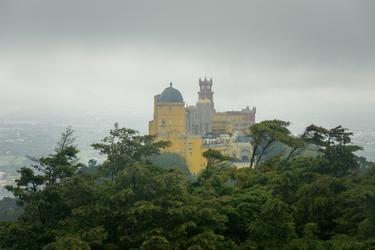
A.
pixel 305 61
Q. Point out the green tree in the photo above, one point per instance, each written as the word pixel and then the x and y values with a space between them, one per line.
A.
pixel 267 134
pixel 67 243
pixel 168 160
pixel 325 202
pixel 214 157
pixel 36 186
pixel 273 223
pixel 124 147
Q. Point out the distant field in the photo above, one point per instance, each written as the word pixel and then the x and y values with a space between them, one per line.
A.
pixel 11 163
pixel 6 160
pixel 369 153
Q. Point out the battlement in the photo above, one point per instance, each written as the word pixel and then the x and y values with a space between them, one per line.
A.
pixel 205 81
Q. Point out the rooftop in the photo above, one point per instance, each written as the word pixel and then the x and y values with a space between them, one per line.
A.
pixel 171 95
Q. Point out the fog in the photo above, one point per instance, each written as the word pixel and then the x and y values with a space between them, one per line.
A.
pixel 303 61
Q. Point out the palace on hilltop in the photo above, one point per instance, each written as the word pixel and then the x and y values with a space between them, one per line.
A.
pixel 194 129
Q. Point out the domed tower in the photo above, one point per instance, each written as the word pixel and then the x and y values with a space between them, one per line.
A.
pixel 171 95
pixel 169 114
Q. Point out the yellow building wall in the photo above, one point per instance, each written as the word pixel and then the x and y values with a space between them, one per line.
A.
pixel 222 127
pixel 169 124
pixel 190 149
pixel 170 119
pixel 177 145
pixel 226 122
pixel 234 117
pixel 194 158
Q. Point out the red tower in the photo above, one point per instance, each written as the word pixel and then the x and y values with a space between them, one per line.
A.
pixel 205 90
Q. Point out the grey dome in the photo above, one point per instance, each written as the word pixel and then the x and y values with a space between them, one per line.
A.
pixel 171 94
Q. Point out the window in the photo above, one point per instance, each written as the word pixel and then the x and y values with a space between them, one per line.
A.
pixel 162 124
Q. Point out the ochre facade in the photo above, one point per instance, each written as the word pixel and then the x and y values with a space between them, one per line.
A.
pixel 170 124
pixel 187 128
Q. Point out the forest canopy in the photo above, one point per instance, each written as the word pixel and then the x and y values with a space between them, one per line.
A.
pixel 288 201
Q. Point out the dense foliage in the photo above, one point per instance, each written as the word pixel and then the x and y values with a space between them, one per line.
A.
pixel 289 202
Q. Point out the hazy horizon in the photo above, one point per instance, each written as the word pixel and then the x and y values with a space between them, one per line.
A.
pixel 63 59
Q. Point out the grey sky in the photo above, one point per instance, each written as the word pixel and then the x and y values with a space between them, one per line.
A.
pixel 305 61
